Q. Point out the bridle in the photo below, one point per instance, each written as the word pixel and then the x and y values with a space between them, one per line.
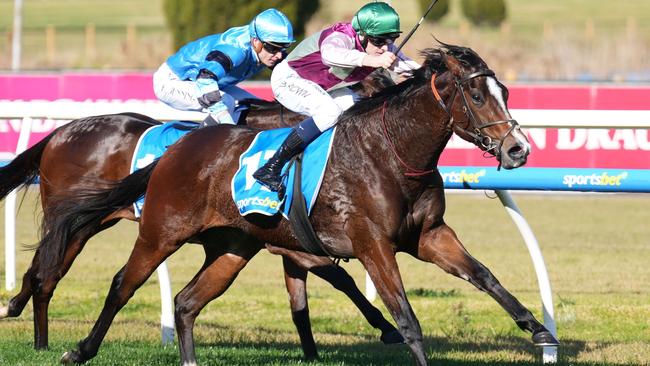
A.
pixel 476 132
pixel 479 137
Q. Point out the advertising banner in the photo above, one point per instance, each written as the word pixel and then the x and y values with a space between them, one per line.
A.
pixel 602 148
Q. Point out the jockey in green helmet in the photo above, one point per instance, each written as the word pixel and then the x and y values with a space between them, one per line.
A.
pixel 377 21
pixel 314 79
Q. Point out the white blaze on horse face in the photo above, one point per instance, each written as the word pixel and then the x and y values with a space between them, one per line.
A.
pixel 497 93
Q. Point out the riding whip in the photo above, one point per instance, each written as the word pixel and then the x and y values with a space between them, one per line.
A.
pixel 408 36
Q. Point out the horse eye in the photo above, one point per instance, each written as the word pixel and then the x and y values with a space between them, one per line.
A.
pixel 477 98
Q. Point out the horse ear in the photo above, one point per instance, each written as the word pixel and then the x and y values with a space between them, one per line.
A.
pixel 453 64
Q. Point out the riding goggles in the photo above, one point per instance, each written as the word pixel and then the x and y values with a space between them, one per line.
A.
pixel 274 48
pixel 383 40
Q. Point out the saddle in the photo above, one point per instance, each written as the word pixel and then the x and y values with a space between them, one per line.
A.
pixel 302 184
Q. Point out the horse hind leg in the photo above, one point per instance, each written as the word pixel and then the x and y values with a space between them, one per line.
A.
pixel 43 289
pixel 218 272
pixel 145 257
pixel 442 247
pixel 295 279
pixel 41 292
pixel 17 304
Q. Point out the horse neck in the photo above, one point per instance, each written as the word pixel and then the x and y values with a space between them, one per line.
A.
pixel 417 128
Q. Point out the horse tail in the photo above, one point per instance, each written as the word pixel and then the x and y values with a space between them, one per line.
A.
pixel 79 214
pixel 23 169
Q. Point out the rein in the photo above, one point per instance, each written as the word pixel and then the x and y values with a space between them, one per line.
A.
pixel 411 172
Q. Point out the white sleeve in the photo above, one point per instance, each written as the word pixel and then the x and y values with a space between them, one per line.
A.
pixel 338 49
pixel 404 64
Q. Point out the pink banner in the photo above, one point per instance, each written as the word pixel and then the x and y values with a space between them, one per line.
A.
pixel 567 148
pixel 585 148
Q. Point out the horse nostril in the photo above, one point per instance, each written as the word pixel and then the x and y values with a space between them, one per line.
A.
pixel 516 152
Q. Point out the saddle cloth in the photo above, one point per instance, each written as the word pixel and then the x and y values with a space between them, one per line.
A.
pixel 153 143
pixel 252 197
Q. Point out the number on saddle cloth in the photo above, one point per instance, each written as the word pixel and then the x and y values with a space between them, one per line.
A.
pixel 252 197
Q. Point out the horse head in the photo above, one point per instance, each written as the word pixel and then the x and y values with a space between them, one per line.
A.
pixel 476 103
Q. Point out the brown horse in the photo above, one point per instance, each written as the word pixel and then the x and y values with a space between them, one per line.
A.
pixel 374 201
pixel 100 148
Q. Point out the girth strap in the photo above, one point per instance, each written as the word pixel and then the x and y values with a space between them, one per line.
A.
pixel 299 218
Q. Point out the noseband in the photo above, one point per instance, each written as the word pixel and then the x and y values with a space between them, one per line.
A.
pixel 479 137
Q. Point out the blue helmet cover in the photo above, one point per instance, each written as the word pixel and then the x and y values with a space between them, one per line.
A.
pixel 271 26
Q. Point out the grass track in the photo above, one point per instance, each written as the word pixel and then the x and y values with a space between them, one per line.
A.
pixel 595 247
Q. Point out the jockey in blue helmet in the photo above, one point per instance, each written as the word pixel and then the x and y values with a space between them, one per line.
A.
pixel 203 74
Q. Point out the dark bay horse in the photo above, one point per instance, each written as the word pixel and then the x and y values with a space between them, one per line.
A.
pixel 381 194
pixel 100 148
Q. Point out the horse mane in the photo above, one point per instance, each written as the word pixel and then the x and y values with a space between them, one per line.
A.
pixel 433 64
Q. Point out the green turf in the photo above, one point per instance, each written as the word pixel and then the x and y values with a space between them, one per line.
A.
pixel 595 247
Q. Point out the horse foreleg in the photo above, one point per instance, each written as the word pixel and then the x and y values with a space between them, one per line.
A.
pixel 381 265
pixel 441 246
pixel 215 276
pixel 325 268
pixel 145 258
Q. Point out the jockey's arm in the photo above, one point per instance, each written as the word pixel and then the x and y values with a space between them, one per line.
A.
pixel 404 65
pixel 221 61
pixel 338 50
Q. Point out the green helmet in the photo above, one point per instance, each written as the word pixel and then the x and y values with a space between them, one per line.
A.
pixel 376 19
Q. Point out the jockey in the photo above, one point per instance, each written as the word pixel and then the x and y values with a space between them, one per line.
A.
pixel 202 75
pixel 314 78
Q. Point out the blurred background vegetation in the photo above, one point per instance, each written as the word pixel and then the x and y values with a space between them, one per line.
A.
pixel 569 40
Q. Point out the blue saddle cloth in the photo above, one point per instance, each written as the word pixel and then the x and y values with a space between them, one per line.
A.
pixel 252 197
pixel 153 143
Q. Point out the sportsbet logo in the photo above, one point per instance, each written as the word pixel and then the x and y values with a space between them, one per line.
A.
pixel 256 201
pixel 603 179
pixel 463 176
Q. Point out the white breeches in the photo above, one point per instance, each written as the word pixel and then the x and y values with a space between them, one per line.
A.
pixel 183 94
pixel 306 97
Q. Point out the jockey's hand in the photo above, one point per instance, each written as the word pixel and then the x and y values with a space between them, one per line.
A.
pixel 385 60
pixel 219 113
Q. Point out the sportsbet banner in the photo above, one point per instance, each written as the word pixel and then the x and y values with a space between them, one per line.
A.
pixel 554 179
pixel 552 148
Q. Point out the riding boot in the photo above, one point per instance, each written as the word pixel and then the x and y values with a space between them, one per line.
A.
pixel 299 137
pixel 269 174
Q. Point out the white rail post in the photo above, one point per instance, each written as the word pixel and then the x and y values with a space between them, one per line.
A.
pixel 10 212
pixel 166 307
pixel 549 354
pixel 10 241
pixel 371 290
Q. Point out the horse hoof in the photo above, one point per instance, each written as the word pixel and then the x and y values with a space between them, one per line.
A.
pixel 71 358
pixel 4 312
pixel 545 339
pixel 392 337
